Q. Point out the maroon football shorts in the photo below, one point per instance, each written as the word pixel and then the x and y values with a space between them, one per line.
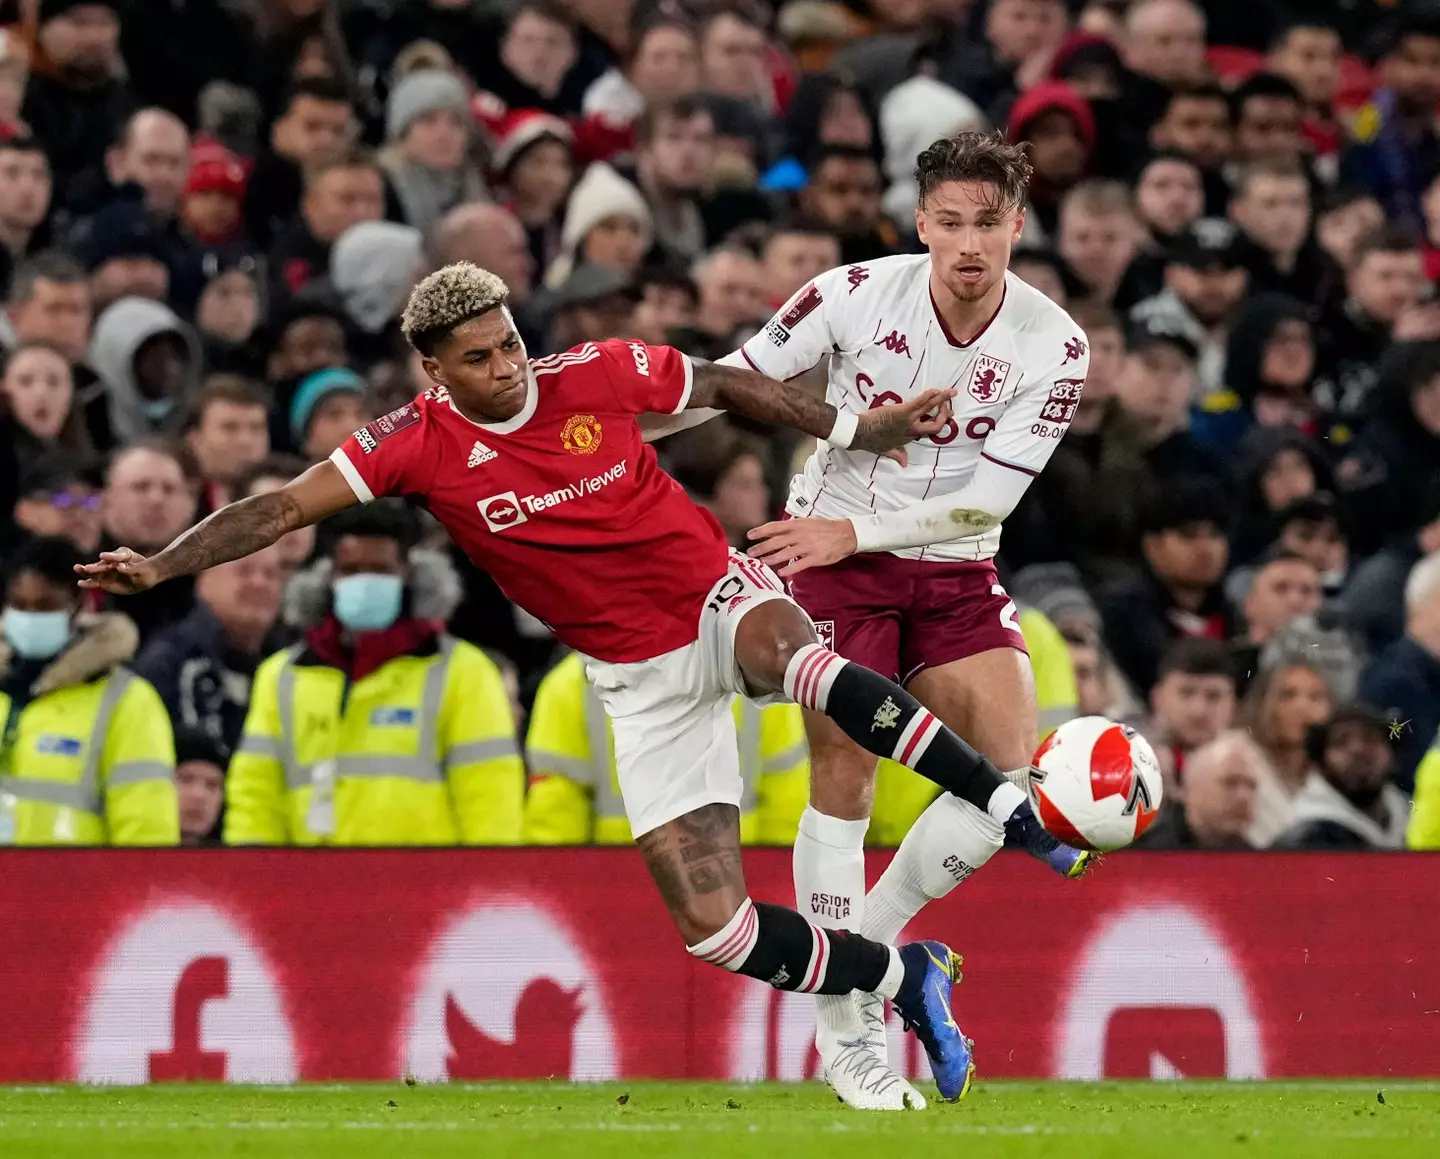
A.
pixel 898 616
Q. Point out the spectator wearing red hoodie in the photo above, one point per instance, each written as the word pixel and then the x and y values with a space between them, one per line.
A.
pixel 1058 124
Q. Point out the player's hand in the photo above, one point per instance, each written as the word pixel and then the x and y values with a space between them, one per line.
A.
pixel 122 571
pixel 791 546
pixel 884 430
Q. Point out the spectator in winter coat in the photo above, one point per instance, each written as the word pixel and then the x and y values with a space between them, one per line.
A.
pixel 49 301
pixel 1404 680
pixel 1275 467
pixel 25 193
pixel 76 99
pixel 128 253
pixel 1344 217
pixel 1191 704
pixel 1272 205
pixel 427 163
pixel 153 153
pixel 1383 286
pixel 1179 593
pixel 1194 121
pixel 674 161
pixel 1154 388
pixel 338 194
pixel 1396 460
pixel 1349 802
pixel 1270 365
pixel 846 194
pixel 202 665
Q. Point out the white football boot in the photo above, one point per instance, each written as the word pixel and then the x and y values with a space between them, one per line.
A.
pixel 850 1038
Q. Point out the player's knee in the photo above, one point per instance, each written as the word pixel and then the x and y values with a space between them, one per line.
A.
pixel 700 917
pixel 768 642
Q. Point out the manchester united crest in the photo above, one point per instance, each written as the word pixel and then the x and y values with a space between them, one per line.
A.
pixel 581 435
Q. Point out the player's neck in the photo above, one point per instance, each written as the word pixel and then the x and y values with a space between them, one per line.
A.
pixel 965 320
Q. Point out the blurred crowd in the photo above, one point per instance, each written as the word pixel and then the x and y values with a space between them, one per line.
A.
pixel 211 214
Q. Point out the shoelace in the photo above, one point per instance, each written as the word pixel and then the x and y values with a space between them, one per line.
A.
pixel 858 1060
pixel 872 1020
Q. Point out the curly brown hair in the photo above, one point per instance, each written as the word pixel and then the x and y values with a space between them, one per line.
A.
pixel 983 158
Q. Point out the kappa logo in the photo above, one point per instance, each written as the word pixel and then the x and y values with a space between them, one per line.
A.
pixel 896 343
pixel 479 453
pixel 1075 349
pixel 855 275
pixel 502 511
pixel 988 378
pixel 886 715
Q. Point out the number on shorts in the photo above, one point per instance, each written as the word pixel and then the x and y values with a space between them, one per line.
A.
pixel 1009 614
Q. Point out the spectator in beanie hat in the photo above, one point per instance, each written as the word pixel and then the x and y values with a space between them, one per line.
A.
pixel 200 761
pixel 227 315
pixel 212 204
pixel 373 268
pixel 532 159
pixel 607 221
pixel 126 253
pixel 428 137
pixel 1059 127
pixel 328 407
pixel 913 115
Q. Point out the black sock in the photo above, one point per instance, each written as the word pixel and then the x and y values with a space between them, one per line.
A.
pixel 881 717
pixel 778 946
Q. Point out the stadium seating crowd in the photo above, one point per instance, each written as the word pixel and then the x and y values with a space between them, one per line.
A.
pixel 211 214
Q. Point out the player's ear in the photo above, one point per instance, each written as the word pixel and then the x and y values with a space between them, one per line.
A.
pixel 1019 223
pixel 432 369
pixel 920 222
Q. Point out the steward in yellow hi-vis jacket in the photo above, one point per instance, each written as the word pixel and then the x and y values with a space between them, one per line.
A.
pixel 87 756
pixel 901 795
pixel 1424 830
pixel 574 795
pixel 378 728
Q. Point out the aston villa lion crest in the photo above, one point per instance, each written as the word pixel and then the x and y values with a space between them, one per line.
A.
pixel 987 379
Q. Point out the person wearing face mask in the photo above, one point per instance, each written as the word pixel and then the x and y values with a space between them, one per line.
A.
pixel 1349 802
pixel 87 755
pixel 378 728
pixel 147 361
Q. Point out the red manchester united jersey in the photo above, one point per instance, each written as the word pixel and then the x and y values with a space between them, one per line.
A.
pixel 564 504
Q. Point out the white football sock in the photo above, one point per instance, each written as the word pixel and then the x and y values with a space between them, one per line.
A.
pixel 829 867
pixel 1004 800
pixel 1020 778
pixel 949 842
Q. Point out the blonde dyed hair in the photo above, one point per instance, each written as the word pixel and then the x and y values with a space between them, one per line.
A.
pixel 451 295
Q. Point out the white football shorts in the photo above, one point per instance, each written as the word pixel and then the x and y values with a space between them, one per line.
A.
pixel 675 747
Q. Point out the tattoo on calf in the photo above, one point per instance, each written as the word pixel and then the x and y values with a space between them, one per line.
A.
pixel 695 854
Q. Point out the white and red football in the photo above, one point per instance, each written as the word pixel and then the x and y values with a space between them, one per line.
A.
pixel 1095 784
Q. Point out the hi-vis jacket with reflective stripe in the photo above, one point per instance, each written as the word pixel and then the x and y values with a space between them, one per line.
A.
pixel 92 757
pixel 901 795
pixel 423 754
pixel 1424 830
pixel 574 794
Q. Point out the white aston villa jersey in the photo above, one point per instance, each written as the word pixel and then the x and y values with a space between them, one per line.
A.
pixel 1018 383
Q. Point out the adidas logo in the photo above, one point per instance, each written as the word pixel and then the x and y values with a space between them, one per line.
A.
pixel 480 453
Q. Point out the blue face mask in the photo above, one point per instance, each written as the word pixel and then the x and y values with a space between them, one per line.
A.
pixel 157 410
pixel 368 602
pixel 36 635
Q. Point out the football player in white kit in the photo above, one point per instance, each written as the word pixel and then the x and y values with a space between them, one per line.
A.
pixel 895 564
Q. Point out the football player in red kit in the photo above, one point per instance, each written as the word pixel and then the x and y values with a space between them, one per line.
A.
pixel 539 471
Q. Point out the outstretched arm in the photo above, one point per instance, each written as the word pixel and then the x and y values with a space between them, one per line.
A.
pixel 881 431
pixel 232 532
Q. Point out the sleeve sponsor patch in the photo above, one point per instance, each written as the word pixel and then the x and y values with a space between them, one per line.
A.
pixel 387 425
pixel 365 439
pixel 802 307
pixel 777 333
pixel 1064 398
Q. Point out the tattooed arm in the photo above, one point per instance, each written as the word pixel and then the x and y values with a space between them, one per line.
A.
pixel 232 532
pixel 881 431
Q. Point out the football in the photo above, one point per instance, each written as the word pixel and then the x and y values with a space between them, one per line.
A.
pixel 1095 784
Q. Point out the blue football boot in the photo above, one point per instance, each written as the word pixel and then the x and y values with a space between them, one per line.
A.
pixel 932 970
pixel 1024 831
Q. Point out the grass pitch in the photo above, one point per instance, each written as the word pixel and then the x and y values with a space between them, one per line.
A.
pixel 700 1120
